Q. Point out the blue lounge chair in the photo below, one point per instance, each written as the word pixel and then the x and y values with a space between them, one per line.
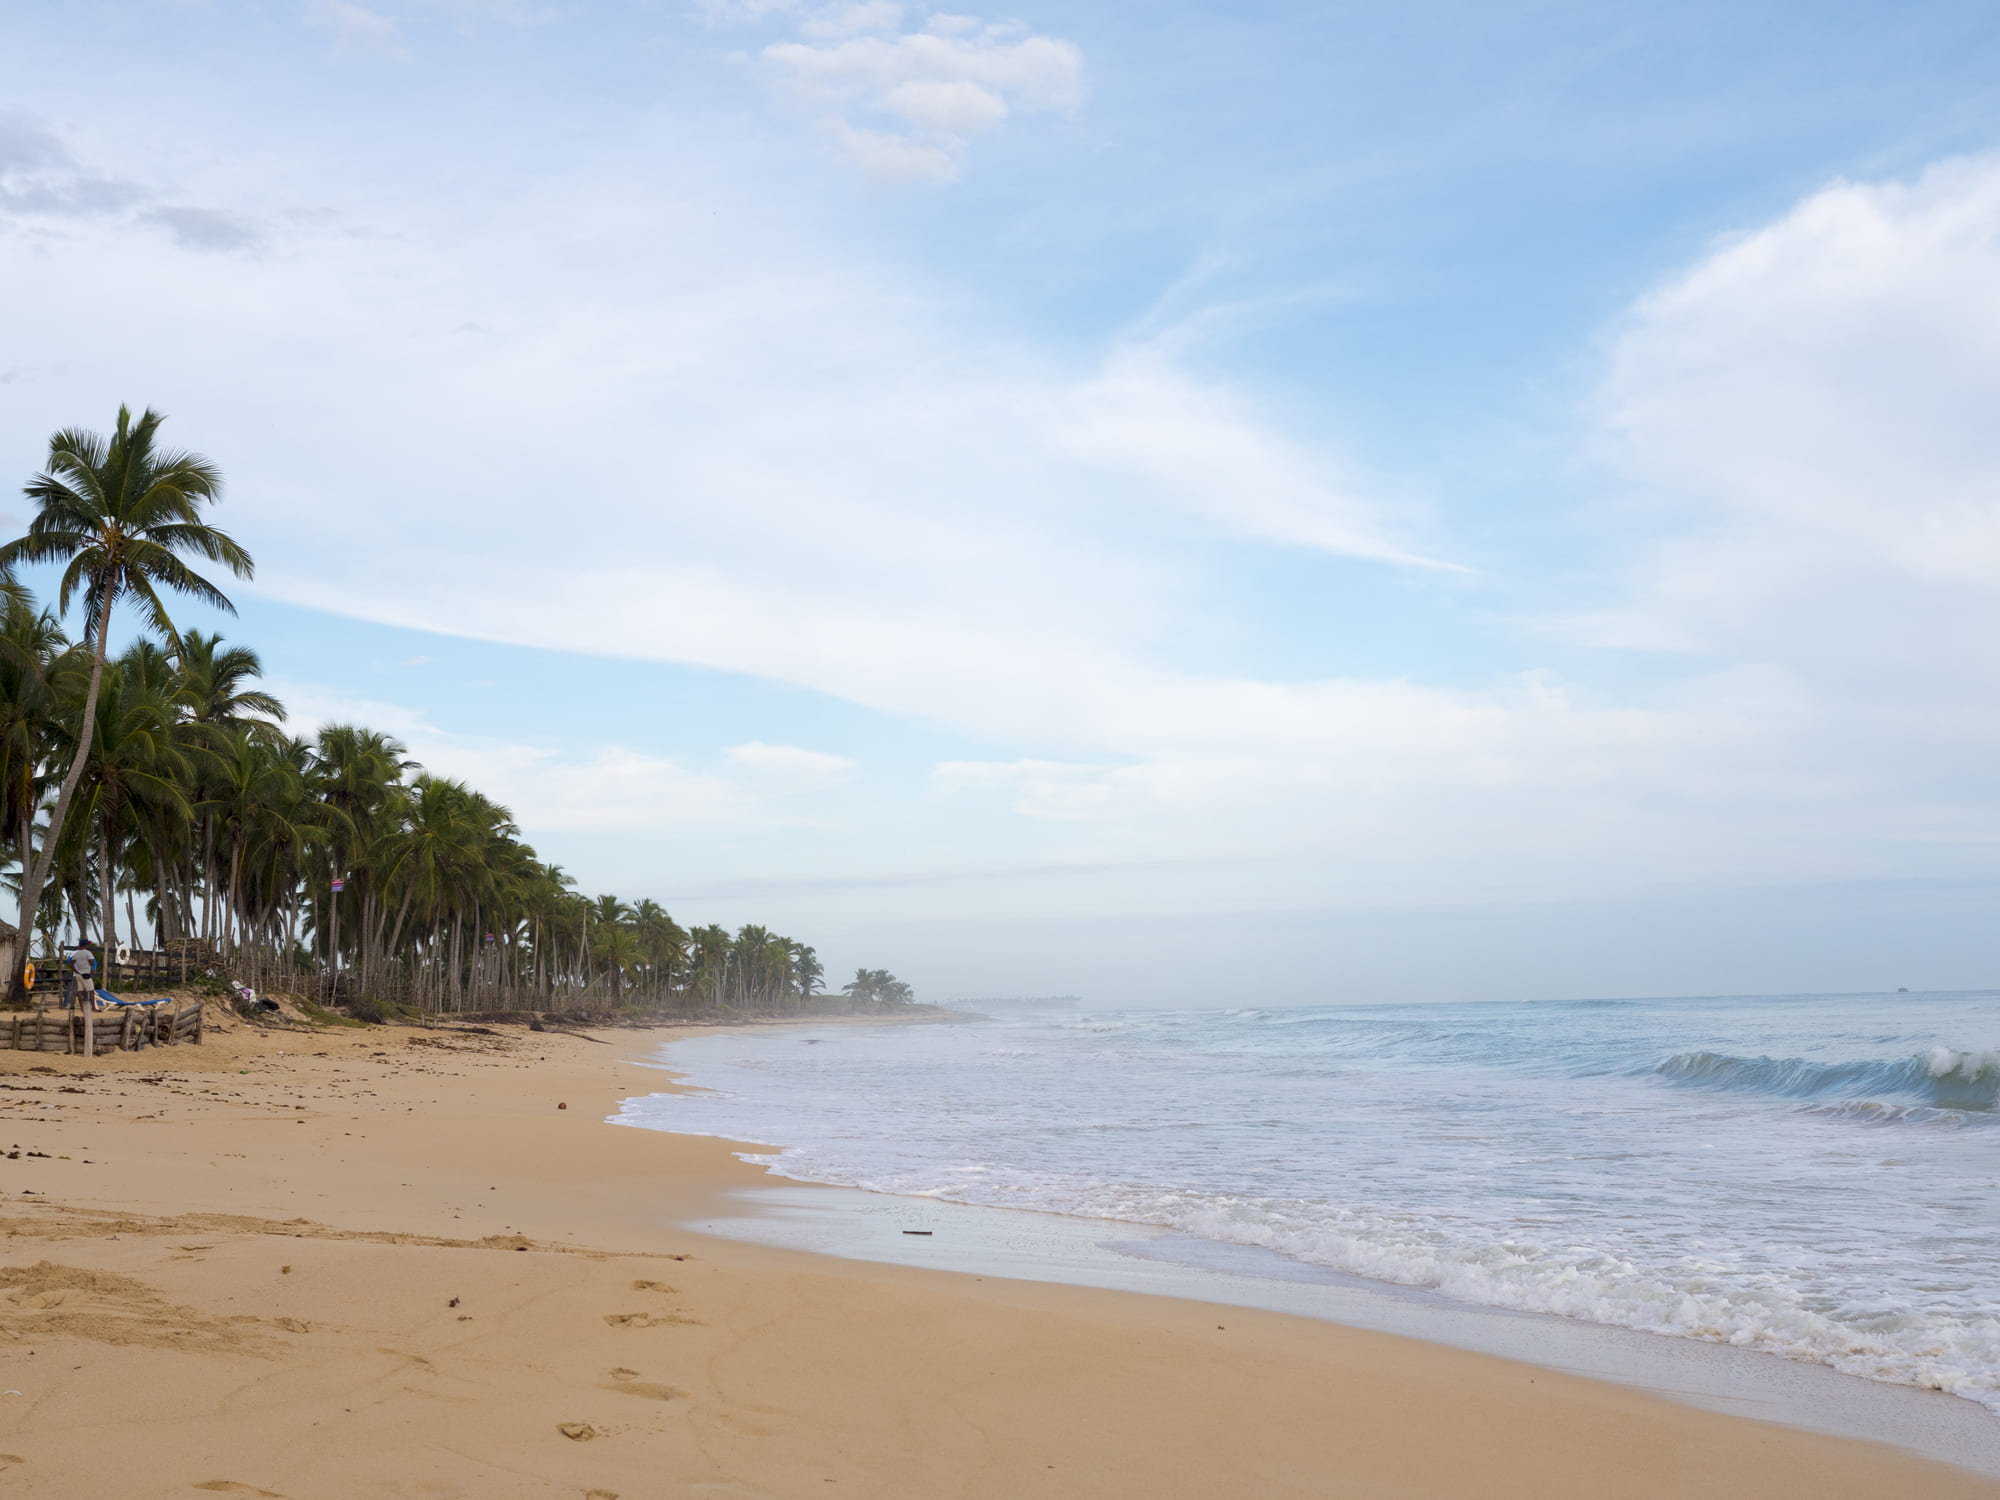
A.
pixel 105 1000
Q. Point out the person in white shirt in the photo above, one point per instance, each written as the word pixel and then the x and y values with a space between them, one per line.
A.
pixel 84 966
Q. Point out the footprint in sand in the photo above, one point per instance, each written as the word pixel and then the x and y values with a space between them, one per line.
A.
pixel 627 1383
pixel 648 1320
pixel 645 1320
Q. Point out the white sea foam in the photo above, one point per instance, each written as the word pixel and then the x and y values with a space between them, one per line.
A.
pixel 1787 1185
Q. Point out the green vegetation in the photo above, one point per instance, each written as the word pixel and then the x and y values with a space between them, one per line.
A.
pixel 164 777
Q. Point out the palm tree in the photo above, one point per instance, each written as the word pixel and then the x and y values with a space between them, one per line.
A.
pixel 249 783
pixel 117 514
pixel 31 643
pixel 133 758
pixel 808 973
pixel 212 686
pixel 356 772
pixel 619 949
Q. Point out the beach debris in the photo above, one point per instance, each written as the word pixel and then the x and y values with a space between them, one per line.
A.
pixel 562 1106
pixel 578 1432
pixel 925 1232
pixel 452 1303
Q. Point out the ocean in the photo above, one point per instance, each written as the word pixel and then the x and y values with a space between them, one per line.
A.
pixel 1817 1177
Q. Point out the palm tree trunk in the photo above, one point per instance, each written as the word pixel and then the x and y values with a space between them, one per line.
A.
pixel 104 890
pixel 33 876
pixel 228 933
pixel 333 927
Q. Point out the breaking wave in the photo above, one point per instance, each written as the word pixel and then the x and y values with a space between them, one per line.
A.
pixel 1940 1079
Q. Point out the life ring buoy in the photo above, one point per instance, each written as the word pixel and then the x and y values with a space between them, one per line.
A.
pixel 124 953
pixel 28 976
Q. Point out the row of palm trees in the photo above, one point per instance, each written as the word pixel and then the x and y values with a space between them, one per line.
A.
pixel 154 797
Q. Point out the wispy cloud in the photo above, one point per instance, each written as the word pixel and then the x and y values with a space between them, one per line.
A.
pixel 906 101
pixel 612 788
pixel 202 228
pixel 356 30
pixel 40 175
pixel 42 178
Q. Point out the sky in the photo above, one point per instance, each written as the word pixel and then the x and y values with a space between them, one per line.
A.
pixel 1181 503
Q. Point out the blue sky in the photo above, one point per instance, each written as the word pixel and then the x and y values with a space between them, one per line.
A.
pixel 1285 502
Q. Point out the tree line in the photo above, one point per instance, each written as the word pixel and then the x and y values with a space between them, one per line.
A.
pixel 160 782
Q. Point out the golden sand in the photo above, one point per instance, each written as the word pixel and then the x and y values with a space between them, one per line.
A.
pixel 388 1262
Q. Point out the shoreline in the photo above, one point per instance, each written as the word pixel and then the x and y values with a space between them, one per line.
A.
pixel 1122 1255
pixel 383 1262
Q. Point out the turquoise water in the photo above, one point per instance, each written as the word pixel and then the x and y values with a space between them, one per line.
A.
pixel 1816 1176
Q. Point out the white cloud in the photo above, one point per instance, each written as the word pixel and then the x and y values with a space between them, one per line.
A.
pixel 838 21
pixel 1809 410
pixel 614 788
pixel 955 79
pixel 858 485
pixel 894 158
pixel 957 108
pixel 1144 414
pixel 507 12
pixel 357 30
pixel 744 12
pixel 787 769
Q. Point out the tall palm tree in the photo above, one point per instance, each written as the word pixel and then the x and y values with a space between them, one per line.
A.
pixel 117 514
pixel 133 758
pixel 808 973
pixel 356 772
pixel 249 781
pixel 31 642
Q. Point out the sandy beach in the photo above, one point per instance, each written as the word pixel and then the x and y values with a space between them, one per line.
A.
pixel 417 1263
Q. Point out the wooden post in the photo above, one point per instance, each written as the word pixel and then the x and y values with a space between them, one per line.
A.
pixel 89 1028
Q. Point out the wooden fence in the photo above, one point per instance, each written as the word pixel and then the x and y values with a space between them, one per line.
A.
pixel 94 1033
